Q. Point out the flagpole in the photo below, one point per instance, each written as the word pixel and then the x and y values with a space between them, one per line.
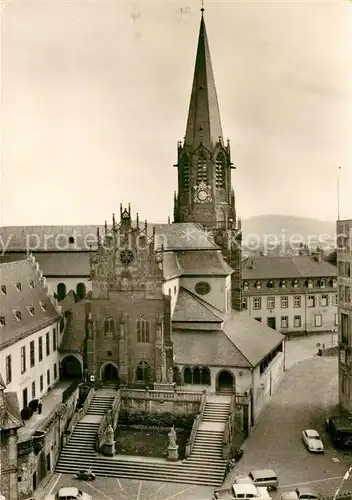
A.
pixel 338 193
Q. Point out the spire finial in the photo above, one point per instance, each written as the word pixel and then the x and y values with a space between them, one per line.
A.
pixel 202 9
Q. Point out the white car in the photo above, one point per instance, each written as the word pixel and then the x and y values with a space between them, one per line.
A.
pixel 312 441
pixel 70 493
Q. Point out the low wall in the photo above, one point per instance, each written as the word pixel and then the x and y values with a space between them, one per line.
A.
pixel 37 456
pixel 329 351
pixel 179 402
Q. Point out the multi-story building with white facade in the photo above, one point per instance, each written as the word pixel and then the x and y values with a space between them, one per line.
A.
pixel 294 295
pixel 29 331
pixel 344 267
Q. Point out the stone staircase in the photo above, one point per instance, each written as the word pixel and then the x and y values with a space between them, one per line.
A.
pixel 81 445
pixel 204 466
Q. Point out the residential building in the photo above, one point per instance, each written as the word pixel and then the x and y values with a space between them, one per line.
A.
pixel 29 331
pixel 344 266
pixel 293 294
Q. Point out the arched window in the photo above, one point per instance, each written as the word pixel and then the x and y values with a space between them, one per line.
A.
pixel 143 330
pixel 283 284
pixel 202 170
pixel 258 284
pixel 81 291
pixel 108 325
pixel 245 285
pixel 322 283
pixel 205 377
pixel 187 375
pixel 220 171
pixel 143 372
pixel 61 291
pixel 185 171
pixel 196 375
pixel 295 283
pixel 270 284
pixel 310 283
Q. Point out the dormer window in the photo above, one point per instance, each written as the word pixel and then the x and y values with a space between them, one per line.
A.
pixel 18 286
pixel 31 283
pixel 310 283
pixel 31 310
pixel 322 283
pixel 245 285
pixel 295 283
pixel 3 290
pixel 258 284
pixel 334 282
pixel 44 306
pixel 270 284
pixel 283 284
pixel 2 321
pixel 18 315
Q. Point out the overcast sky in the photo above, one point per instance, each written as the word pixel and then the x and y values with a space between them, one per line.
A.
pixel 95 96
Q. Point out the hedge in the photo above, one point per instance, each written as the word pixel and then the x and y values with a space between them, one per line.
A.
pixel 146 419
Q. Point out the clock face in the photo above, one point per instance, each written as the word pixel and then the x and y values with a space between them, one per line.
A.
pixel 126 256
pixel 202 195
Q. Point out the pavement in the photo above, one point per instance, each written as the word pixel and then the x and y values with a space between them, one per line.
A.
pixel 306 395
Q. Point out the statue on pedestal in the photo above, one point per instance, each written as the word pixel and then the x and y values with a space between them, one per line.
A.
pixel 109 436
pixel 172 437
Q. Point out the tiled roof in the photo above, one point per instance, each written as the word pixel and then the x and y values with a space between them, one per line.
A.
pixel 286 267
pixel 205 263
pixel 186 235
pixel 171 266
pixel 74 334
pixel 212 348
pixel 190 309
pixel 183 236
pixel 11 417
pixel 64 263
pixel 254 339
pixel 24 273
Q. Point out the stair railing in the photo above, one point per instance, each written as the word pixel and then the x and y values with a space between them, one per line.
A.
pixel 110 418
pixel 229 430
pixel 195 426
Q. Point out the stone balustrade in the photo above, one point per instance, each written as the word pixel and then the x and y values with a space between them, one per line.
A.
pixel 81 412
pixel 229 429
pixel 161 395
pixel 110 418
pixel 195 426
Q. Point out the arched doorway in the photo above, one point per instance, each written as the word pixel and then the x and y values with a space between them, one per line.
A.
pixel 71 368
pixel 61 291
pixel 225 382
pixel 109 373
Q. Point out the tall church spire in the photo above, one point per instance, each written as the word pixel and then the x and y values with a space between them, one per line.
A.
pixel 203 124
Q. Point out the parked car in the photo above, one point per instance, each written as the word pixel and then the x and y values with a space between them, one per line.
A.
pixel 301 494
pixel 70 493
pixel 340 430
pixel 259 477
pixel 242 491
pixel 313 441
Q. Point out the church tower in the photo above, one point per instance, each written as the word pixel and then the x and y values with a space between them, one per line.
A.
pixel 205 193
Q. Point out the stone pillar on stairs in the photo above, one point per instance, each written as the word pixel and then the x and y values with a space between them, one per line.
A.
pixel 109 444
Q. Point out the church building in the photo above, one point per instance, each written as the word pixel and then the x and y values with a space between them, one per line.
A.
pixel 163 304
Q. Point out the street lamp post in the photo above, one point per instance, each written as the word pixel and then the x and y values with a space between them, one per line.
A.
pixel 345 477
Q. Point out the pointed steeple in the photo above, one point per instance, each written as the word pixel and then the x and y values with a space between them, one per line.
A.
pixel 203 124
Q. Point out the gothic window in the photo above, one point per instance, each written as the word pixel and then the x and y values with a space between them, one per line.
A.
pixel 143 330
pixel 220 171
pixel 185 171
pixel 202 171
pixel 187 375
pixel 108 325
pixel 142 372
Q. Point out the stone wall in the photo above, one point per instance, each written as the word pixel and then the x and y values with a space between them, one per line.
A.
pixel 161 402
pixel 8 461
pixel 37 457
